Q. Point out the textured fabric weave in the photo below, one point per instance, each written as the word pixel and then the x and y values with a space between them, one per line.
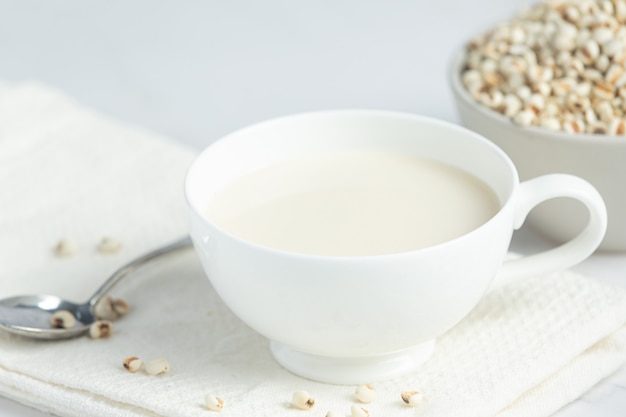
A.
pixel 526 350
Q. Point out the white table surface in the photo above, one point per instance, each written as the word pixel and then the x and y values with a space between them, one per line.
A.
pixel 195 70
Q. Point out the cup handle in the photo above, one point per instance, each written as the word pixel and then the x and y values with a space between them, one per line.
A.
pixel 537 190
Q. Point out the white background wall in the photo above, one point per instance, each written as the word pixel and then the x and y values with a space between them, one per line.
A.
pixel 196 70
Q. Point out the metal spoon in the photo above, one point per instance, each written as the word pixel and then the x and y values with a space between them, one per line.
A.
pixel 29 315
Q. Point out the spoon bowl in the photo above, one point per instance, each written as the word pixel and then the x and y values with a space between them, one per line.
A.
pixel 30 315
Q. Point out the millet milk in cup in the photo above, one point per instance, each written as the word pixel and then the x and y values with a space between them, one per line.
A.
pixel 353 203
pixel 351 239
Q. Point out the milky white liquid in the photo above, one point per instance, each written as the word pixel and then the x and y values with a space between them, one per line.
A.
pixel 353 204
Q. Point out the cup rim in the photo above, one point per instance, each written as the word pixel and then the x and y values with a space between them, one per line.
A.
pixel 197 212
pixel 459 90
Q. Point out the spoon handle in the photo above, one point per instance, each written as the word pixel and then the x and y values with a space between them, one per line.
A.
pixel 133 265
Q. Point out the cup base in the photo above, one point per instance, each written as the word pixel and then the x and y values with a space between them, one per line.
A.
pixel 351 371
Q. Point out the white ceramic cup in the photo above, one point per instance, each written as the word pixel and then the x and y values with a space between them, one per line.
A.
pixel 359 319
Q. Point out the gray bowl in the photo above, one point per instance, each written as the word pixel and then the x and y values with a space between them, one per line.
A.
pixel 600 159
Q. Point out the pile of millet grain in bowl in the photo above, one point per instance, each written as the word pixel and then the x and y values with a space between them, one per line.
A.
pixel 559 65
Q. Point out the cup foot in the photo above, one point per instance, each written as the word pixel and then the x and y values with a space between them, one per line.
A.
pixel 352 371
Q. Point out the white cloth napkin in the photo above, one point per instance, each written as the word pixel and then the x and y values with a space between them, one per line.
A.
pixel 526 350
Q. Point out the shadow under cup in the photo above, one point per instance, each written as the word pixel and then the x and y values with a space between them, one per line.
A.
pixel 351 319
